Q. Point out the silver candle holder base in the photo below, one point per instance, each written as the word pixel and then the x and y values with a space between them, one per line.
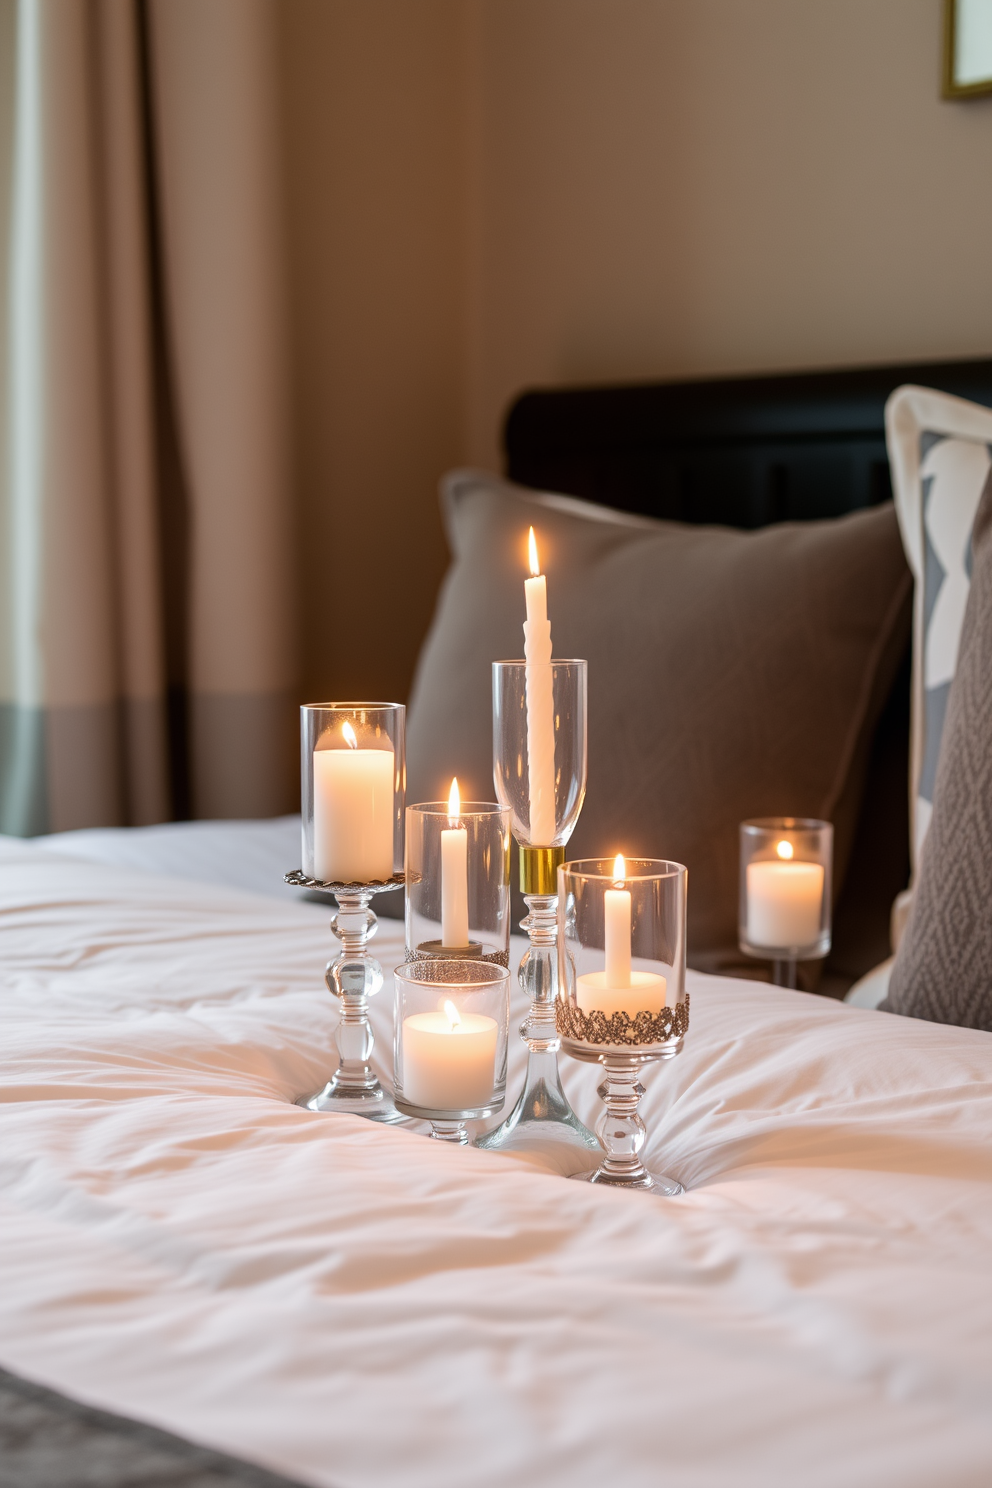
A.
pixel 353 977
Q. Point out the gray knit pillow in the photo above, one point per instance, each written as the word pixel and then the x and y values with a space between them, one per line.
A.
pixel 943 969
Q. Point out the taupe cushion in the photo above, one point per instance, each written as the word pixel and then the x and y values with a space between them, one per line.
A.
pixel 943 968
pixel 731 674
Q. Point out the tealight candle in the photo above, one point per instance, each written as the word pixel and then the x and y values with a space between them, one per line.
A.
pixel 540 704
pixel 618 989
pixel 352 812
pixel 784 901
pixel 449 1059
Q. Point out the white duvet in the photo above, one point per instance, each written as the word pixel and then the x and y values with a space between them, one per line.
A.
pixel 357 1305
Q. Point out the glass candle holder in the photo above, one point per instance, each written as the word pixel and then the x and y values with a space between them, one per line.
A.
pixel 458 880
pixel 449 1042
pixel 353 778
pixel 539 769
pixel 622 1001
pixel 785 892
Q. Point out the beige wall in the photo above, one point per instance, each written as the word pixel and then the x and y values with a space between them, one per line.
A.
pixel 491 194
pixel 374 175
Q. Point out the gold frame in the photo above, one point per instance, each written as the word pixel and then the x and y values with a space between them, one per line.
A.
pixel 949 88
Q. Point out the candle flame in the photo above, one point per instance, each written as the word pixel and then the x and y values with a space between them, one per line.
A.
pixel 452 1014
pixel 619 868
pixel 349 735
pixel 535 566
pixel 454 803
pixel 784 849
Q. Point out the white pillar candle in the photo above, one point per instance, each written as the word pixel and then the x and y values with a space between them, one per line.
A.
pixel 784 904
pixel 454 876
pixel 540 705
pixel 352 813
pixel 644 993
pixel 449 1059
pixel 617 988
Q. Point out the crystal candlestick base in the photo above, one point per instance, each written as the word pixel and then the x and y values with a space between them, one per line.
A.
pixel 542 1113
pixel 353 977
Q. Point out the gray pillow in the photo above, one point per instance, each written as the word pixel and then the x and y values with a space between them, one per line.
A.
pixel 731 674
pixel 943 968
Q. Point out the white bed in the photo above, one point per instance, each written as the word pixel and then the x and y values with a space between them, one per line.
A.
pixel 353 1305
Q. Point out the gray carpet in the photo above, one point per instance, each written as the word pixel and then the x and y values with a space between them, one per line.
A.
pixel 49 1441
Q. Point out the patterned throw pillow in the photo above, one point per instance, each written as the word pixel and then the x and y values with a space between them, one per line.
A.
pixel 940 449
pixel 943 968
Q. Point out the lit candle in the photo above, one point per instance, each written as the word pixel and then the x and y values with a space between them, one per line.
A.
pixel 449 1059
pixel 352 812
pixel 454 876
pixel 618 989
pixel 540 705
pixel 784 901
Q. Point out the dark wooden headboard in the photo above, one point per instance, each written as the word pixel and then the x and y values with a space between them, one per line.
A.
pixel 742 451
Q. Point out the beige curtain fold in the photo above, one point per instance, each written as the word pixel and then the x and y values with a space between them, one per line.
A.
pixel 146 639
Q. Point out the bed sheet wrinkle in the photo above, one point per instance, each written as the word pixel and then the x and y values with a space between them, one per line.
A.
pixel 348 1303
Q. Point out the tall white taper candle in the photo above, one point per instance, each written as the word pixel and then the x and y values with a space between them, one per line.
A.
pixel 540 705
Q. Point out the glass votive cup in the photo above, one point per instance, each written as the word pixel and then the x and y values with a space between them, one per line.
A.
pixel 353 780
pixel 785 888
pixel 621 947
pixel 450 1026
pixel 458 881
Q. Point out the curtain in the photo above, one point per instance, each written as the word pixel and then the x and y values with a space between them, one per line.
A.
pixel 147 644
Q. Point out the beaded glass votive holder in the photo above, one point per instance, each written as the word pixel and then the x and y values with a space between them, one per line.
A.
pixel 458 881
pixel 785 892
pixel 622 1001
pixel 450 1042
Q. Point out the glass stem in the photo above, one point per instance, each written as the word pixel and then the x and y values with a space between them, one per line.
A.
pixel 353 977
pixel 542 1111
pixel 620 1128
pixel 784 973
pixel 450 1131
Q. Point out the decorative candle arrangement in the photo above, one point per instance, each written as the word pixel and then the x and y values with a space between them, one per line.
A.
pixel 605 969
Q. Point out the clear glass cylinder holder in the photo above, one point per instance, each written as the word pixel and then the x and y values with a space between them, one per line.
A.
pixel 458 881
pixel 622 1001
pixel 450 1028
pixel 542 1113
pixel 353 782
pixel 785 892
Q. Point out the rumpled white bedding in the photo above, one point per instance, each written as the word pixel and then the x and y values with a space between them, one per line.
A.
pixel 355 1305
